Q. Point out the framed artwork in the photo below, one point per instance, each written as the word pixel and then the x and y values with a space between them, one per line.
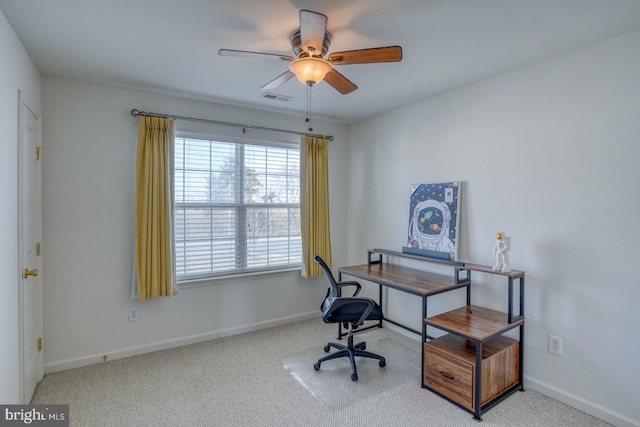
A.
pixel 434 220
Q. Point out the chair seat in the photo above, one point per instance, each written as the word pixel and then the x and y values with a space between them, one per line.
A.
pixel 345 315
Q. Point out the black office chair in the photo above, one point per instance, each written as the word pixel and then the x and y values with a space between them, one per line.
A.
pixel 352 311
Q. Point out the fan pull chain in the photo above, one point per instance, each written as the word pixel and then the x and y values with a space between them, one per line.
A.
pixel 308 120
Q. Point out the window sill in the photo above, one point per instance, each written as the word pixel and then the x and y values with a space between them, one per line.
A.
pixel 235 278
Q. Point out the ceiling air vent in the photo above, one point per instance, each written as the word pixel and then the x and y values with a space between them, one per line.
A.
pixel 274 97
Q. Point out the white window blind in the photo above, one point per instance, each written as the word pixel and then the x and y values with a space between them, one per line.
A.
pixel 237 207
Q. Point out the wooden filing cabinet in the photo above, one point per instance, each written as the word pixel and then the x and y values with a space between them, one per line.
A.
pixel 449 368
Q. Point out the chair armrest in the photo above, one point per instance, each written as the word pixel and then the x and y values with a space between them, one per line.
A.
pixel 367 312
pixel 340 285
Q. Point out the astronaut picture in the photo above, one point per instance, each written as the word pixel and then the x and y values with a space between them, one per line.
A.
pixel 433 218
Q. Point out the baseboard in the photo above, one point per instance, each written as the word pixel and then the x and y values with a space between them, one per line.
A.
pixel 179 342
pixel 577 402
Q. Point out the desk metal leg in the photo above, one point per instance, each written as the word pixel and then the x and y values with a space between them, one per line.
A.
pixel 424 317
pixel 340 335
pixel 380 303
pixel 477 414
pixel 521 367
pixel 511 317
pixel 424 338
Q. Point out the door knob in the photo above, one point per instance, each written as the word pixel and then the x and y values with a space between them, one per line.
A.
pixel 28 273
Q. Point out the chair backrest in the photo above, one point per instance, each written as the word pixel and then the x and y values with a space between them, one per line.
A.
pixel 333 286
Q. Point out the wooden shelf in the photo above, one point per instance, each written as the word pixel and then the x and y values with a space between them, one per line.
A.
pixel 474 322
pixel 489 270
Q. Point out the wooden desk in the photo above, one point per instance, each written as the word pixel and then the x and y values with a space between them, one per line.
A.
pixel 473 366
pixel 405 279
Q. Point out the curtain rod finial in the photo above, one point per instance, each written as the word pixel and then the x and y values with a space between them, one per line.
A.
pixel 135 112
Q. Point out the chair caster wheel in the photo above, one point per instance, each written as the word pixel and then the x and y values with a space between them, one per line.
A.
pixel 316 366
pixel 354 377
pixel 382 363
pixel 327 348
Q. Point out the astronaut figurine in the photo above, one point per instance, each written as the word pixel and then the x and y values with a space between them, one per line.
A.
pixel 501 251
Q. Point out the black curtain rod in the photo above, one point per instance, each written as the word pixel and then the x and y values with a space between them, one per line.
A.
pixel 135 113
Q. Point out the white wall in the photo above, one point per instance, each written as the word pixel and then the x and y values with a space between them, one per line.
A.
pixel 17 72
pixel 88 175
pixel 548 154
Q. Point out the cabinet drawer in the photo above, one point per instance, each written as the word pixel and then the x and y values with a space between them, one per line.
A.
pixel 449 367
pixel 448 376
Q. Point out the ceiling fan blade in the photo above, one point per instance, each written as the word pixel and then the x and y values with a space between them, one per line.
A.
pixel 282 78
pixel 247 54
pixel 366 56
pixel 340 82
pixel 313 26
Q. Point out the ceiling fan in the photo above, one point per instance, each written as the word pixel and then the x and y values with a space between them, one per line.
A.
pixel 310 44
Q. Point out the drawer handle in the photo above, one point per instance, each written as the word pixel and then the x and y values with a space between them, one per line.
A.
pixel 447 376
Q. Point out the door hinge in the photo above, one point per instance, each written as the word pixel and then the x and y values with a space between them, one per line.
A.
pixel 37 249
pixel 37 153
pixel 39 344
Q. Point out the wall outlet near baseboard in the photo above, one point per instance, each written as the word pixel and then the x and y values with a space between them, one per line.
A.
pixel 133 315
pixel 555 345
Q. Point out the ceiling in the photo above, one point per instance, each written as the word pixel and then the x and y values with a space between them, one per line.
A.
pixel 171 46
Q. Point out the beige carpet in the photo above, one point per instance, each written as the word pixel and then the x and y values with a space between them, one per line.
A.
pixel 240 381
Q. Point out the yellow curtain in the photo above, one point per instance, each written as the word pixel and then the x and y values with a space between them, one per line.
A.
pixel 314 204
pixel 155 268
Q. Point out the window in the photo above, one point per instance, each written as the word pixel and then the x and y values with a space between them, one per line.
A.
pixel 237 207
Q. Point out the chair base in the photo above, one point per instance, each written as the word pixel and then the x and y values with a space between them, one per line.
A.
pixel 351 351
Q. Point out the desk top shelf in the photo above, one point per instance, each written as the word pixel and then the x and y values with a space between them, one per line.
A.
pixel 407 279
pixel 514 274
pixel 417 276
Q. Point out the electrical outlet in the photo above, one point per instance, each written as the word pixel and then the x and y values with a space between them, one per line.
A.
pixel 133 315
pixel 555 345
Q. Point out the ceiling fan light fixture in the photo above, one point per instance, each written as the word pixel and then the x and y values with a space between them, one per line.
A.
pixel 310 70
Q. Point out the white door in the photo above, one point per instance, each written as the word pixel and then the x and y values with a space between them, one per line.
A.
pixel 31 286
